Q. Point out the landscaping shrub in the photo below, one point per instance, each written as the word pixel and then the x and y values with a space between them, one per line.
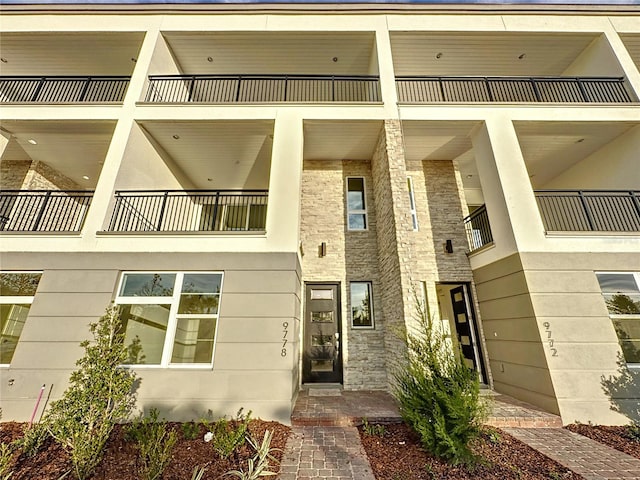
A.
pixel 100 395
pixel 225 435
pixel 259 465
pixel 155 442
pixel 438 394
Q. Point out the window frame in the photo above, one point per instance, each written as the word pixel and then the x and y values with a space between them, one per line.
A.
pixel 371 309
pixel 631 316
pixel 357 211
pixel 412 204
pixel 19 300
pixel 174 316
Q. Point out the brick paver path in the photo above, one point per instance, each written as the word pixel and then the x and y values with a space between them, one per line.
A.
pixel 586 457
pixel 325 452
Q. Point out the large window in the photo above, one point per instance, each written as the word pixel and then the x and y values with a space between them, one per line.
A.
pixel 356 204
pixel 621 293
pixel 361 305
pixel 170 319
pixel 16 295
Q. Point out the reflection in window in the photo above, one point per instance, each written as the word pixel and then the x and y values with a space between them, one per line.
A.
pixel 621 292
pixel 361 306
pixel 356 204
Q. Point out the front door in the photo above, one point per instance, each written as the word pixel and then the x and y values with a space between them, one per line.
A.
pixel 465 329
pixel 321 354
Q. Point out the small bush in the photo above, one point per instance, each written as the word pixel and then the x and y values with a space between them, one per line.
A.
pixel 438 394
pixel 190 430
pixel 7 451
pixel 226 436
pixel 372 430
pixel 632 431
pixel 155 443
pixel 33 438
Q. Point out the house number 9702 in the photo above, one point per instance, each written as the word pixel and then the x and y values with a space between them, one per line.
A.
pixel 547 328
pixel 285 331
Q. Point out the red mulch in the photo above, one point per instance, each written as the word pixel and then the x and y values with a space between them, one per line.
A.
pixel 120 458
pixel 397 455
pixel 614 437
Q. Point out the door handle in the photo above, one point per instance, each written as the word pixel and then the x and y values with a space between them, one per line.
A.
pixel 336 350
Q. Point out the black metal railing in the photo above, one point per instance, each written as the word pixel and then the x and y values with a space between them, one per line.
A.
pixel 430 89
pixel 63 89
pixel 43 210
pixel 189 211
pixel 478 228
pixel 263 88
pixel 589 210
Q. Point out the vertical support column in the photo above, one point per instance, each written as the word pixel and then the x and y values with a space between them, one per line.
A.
pixel 285 180
pixel 626 62
pixel 387 76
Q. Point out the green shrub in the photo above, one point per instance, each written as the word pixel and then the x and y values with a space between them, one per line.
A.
pixel 155 443
pixel 33 439
pixel 7 451
pixel 100 394
pixel 438 394
pixel 259 465
pixel 190 430
pixel 372 430
pixel 225 435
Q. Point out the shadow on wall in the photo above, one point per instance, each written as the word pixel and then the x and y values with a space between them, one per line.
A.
pixel 623 390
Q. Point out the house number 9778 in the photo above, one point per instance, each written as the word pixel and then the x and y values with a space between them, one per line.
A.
pixel 549 339
pixel 285 331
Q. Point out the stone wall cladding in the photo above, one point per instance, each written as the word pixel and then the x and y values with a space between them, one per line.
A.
pixel 351 256
pixel 42 177
pixel 13 173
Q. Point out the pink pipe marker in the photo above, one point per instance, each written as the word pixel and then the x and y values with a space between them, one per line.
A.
pixel 35 409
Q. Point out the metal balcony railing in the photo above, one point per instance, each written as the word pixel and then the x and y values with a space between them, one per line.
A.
pixel 589 210
pixel 478 229
pixel 63 89
pixel 189 211
pixel 430 89
pixel 43 210
pixel 263 89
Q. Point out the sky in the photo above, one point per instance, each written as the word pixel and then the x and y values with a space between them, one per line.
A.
pixel 521 2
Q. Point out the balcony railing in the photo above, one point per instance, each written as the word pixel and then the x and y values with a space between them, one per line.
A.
pixel 63 89
pixel 478 229
pixel 589 210
pixel 428 89
pixel 263 89
pixel 43 210
pixel 189 211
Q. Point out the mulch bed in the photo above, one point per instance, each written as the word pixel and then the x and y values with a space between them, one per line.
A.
pixel 397 455
pixel 614 437
pixel 120 461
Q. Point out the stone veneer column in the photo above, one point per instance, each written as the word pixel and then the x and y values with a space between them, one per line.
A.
pixel 394 228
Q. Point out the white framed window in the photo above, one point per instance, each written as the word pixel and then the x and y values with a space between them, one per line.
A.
pixel 170 319
pixel 17 290
pixel 361 297
pixel 356 204
pixel 621 292
pixel 412 203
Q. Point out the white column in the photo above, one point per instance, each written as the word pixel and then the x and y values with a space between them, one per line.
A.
pixel 387 76
pixel 626 62
pixel 285 181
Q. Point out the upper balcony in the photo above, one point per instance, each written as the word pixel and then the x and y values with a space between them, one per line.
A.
pixel 507 68
pixel 68 68
pixel 264 67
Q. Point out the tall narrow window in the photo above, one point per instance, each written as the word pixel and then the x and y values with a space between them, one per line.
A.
pixel 361 305
pixel 412 203
pixel 17 290
pixel 356 204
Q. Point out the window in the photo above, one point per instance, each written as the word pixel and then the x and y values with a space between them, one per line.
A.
pixel 412 202
pixel 361 305
pixel 16 295
pixel 356 206
pixel 621 293
pixel 170 319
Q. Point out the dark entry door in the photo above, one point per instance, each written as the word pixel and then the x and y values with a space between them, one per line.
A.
pixel 322 358
pixel 465 330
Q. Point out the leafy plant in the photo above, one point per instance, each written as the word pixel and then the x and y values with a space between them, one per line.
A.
pixel 439 396
pixel 371 430
pixel 258 466
pixel 198 472
pixel 155 442
pixel 6 460
pixel 100 394
pixel 190 430
pixel 632 431
pixel 33 438
pixel 228 435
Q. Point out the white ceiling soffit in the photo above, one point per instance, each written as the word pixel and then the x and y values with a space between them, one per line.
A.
pixel 436 140
pixel 218 155
pixel 72 148
pixel 550 148
pixel 339 53
pixel 340 140
pixel 96 53
pixel 486 54
pixel 632 42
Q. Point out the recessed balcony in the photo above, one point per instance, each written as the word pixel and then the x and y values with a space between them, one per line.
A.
pixel 63 89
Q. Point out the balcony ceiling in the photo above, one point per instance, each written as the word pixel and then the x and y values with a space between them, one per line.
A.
pixel 218 155
pixel 632 42
pixel 486 53
pixel 273 52
pixel 74 149
pixel 550 148
pixel 340 140
pixel 102 53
